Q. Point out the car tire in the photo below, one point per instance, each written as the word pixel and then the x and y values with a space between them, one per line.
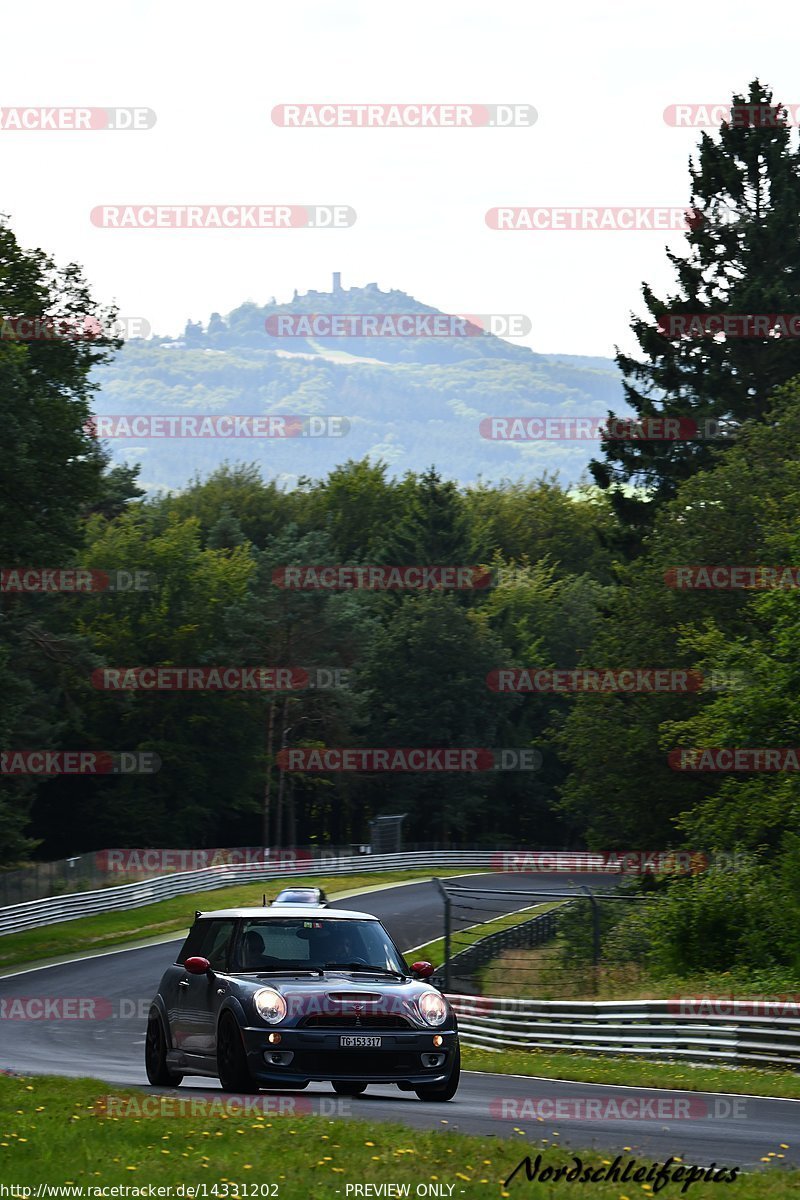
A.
pixel 443 1091
pixel 347 1087
pixel 155 1056
pixel 232 1069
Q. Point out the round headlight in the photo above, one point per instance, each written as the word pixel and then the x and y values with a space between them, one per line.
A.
pixel 270 1005
pixel 433 1007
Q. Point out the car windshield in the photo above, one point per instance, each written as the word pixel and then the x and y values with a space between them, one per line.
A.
pixel 297 897
pixel 290 943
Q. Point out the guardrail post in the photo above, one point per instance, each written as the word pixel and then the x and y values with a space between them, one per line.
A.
pixel 447 921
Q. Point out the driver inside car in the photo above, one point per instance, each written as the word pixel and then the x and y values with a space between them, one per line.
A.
pixel 349 949
pixel 253 950
pixel 335 946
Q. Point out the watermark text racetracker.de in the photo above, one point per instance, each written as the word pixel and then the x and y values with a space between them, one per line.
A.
pixel 219 679
pixel 731 1006
pixel 746 759
pixel 202 1105
pixel 409 759
pixel 623 862
pixel 729 325
pixel 79 762
pixel 739 116
pixel 621 1106
pixel 149 860
pixel 542 427
pixel 72 328
pixel 729 577
pixel 82 118
pixel 403 116
pixel 343 577
pixel 217 425
pixel 42 580
pixel 223 216
pixel 396 325
pixel 625 680
pixel 70 1008
pixel 597 218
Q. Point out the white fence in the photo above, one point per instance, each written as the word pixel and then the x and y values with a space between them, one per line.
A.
pixel 35 913
pixel 744 1032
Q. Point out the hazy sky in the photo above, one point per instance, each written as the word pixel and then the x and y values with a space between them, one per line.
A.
pixel 599 78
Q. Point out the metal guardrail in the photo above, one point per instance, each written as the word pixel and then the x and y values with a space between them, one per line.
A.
pixel 35 913
pixel 109 867
pixel 645 1028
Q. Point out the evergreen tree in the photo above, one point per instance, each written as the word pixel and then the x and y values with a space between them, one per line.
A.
pixel 743 258
pixel 434 527
pixel 226 533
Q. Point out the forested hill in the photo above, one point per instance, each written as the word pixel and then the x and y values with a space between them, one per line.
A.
pixel 410 401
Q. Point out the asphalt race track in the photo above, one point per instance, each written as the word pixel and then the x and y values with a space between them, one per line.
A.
pixel 700 1128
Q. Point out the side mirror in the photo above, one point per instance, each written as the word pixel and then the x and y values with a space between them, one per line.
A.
pixel 423 970
pixel 197 966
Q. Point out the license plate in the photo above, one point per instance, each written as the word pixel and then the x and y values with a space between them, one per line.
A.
pixel 353 1040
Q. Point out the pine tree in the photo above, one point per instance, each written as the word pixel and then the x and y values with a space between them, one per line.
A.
pixel 743 258
pixel 226 532
pixel 434 529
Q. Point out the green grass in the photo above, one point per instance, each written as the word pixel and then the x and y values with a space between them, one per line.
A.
pixel 539 973
pixel 635 1072
pixel 433 952
pixel 53 1131
pixel 106 930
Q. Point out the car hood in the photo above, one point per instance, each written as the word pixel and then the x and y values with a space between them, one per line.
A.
pixel 334 980
pixel 344 992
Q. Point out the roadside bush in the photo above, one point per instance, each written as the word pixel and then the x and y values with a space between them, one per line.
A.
pixel 726 919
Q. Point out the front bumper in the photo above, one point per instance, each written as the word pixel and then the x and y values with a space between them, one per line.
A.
pixel 316 1054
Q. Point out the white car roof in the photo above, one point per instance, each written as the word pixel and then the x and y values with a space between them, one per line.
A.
pixel 291 910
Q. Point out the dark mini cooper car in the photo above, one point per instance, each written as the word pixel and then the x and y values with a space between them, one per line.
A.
pixel 276 998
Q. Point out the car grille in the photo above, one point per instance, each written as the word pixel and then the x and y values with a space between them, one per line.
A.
pixel 356 1062
pixel 352 1021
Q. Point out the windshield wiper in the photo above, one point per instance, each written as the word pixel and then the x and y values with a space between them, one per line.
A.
pixel 352 966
